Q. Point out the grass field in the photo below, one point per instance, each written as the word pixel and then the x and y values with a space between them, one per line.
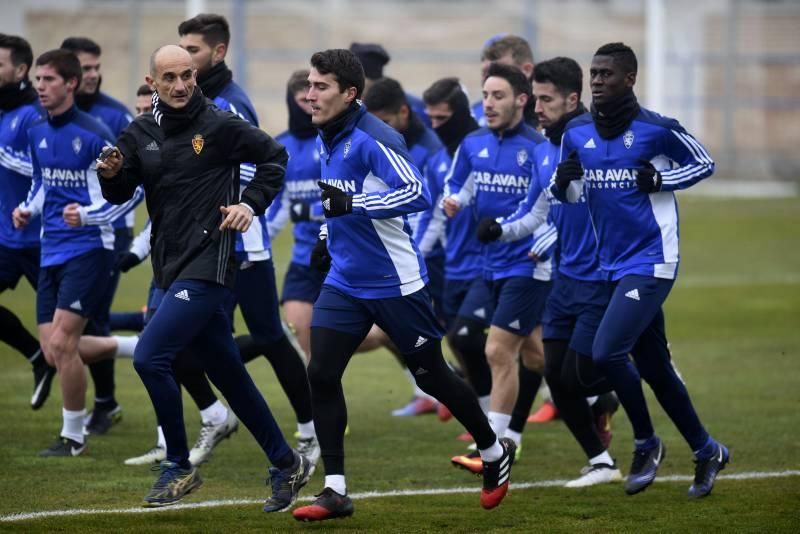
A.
pixel 733 320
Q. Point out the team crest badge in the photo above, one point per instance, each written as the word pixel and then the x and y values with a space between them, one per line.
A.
pixel 522 157
pixel 347 147
pixel 76 145
pixel 14 123
pixel 627 139
pixel 197 143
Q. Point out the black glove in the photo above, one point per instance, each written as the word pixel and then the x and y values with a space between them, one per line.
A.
pixel 489 230
pixel 648 179
pixel 320 259
pixel 300 212
pixel 335 202
pixel 126 261
pixel 568 170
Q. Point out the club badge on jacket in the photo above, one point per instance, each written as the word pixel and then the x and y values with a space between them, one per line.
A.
pixel 197 143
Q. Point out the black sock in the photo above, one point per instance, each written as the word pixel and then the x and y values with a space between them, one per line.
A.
pixel 529 382
pixel 190 375
pixel 331 352
pixel 435 378
pixel 468 339
pixel 572 405
pixel 17 336
pixel 289 368
pixel 103 377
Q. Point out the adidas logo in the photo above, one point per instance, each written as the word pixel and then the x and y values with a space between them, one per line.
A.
pixel 183 295
pixel 152 146
pixel 326 204
pixel 480 312
pixel 590 143
pixel 420 341
pixel 633 294
pixel 484 153
pixel 463 331
pixel 442 167
pixel 514 324
pixel 76 305
pixel 421 371
pixel 546 160
pixel 43 143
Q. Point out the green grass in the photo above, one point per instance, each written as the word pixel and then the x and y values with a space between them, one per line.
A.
pixel 732 321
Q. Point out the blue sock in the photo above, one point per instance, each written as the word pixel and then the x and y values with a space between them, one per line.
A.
pixel 646 444
pixel 707 451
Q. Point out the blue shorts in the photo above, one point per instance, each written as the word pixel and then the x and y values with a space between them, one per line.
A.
pixel 518 303
pixel 79 286
pixel 257 296
pixel 302 283
pixel 435 266
pixel 470 299
pixel 16 263
pixel 409 321
pixel 574 310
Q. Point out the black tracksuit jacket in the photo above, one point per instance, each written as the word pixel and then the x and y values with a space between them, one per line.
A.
pixel 187 175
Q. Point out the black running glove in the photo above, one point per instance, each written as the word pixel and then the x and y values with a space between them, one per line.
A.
pixel 489 230
pixel 126 261
pixel 648 179
pixel 335 202
pixel 568 170
pixel 300 212
pixel 320 259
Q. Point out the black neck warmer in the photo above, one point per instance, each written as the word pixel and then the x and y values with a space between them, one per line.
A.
pixel 454 129
pixel 554 132
pixel 15 95
pixel 174 120
pixel 85 101
pixel 329 130
pixel 300 124
pixel 415 129
pixel 612 118
pixel 214 80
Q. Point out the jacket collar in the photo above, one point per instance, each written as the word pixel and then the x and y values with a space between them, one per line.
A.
pixel 64 118
pixel 342 125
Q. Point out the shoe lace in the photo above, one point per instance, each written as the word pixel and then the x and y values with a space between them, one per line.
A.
pixel 169 472
pixel 639 460
pixel 306 445
pixel 278 480
pixel 206 438
pixel 701 468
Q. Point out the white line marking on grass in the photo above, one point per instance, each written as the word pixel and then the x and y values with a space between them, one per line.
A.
pixel 749 475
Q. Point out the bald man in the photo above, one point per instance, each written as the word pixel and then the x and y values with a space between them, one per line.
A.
pixel 186 154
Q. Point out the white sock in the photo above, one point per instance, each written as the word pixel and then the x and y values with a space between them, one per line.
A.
pixel 161 441
pixel 126 345
pixel 544 391
pixel 516 437
pixel 336 483
pixel 499 423
pixel 214 414
pixel 591 400
pixel 493 453
pixel 484 402
pixel 306 430
pixel 72 427
pixel 602 458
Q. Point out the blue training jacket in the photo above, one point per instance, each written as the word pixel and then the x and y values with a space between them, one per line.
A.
pixel 422 153
pixel 373 253
pixel 16 171
pixel 571 222
pixel 255 242
pixel 637 233
pixel 495 172
pixel 63 152
pixel 300 185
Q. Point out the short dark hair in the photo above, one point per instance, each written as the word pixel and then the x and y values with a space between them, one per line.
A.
pixel 144 90
pixel 214 28
pixel 21 52
pixel 519 48
pixel 622 54
pixel 65 63
pixel 563 72
pixel 446 90
pixel 344 66
pixel 298 81
pixel 385 94
pixel 81 44
pixel 513 75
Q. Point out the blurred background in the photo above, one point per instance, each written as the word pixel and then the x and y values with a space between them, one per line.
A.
pixel 729 70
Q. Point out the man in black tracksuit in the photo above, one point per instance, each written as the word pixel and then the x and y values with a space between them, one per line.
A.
pixel 187 155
